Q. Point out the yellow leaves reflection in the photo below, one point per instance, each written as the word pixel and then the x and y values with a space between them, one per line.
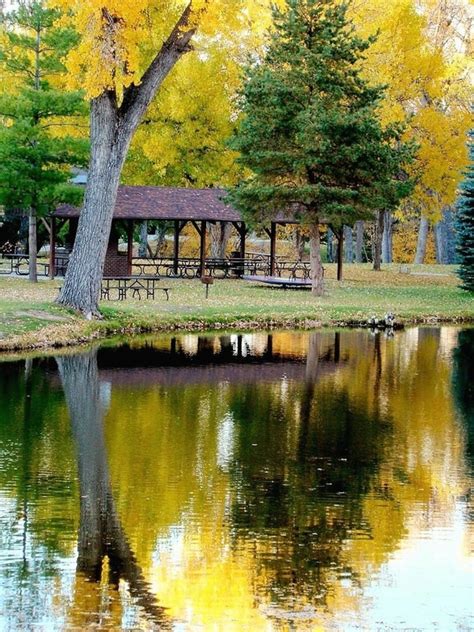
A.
pixel 168 440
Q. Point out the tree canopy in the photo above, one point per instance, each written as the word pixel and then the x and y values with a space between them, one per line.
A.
pixel 311 133
pixel 38 144
pixel 465 225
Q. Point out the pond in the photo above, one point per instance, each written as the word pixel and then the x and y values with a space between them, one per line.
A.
pixel 283 481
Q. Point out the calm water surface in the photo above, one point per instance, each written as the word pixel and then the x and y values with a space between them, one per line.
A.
pixel 289 481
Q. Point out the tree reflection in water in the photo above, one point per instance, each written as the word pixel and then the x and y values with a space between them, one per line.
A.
pixel 100 532
pixel 247 478
pixel 302 492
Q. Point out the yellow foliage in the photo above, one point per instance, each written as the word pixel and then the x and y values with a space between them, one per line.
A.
pixel 422 55
pixel 120 37
pixel 405 237
pixel 182 142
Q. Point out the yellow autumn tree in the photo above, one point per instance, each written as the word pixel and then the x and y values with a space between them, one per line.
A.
pixel 422 54
pixel 127 50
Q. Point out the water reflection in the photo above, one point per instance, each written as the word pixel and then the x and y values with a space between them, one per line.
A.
pixel 272 481
pixel 101 536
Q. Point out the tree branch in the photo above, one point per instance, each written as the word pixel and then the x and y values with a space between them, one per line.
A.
pixel 137 98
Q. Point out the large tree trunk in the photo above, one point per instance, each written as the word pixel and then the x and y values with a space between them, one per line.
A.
pixel 109 145
pixel 359 245
pixel 32 246
pixel 387 239
pixel 349 244
pixel 317 273
pixel 377 245
pixel 422 239
pixel 112 128
pixel 220 233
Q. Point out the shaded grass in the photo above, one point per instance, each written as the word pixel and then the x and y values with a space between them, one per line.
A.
pixel 29 318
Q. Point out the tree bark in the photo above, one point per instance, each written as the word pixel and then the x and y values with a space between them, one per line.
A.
pixel 112 128
pixel 32 246
pixel 220 234
pixel 317 273
pixel 377 245
pixel 440 242
pixel 340 258
pixel 349 244
pixel 422 239
pixel 143 244
pixel 109 145
pixel 359 245
pixel 330 245
pixel 387 238
pixel 448 219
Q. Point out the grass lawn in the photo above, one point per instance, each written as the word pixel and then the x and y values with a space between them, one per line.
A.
pixel 29 318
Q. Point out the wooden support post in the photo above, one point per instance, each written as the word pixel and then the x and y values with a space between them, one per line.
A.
pixel 273 249
pixel 71 233
pixel 52 249
pixel 269 351
pixel 177 231
pixel 202 257
pixel 243 235
pixel 129 246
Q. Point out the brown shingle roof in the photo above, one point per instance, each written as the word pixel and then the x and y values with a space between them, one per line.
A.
pixel 166 203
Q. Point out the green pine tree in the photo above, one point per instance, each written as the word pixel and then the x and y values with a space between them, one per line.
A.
pixel 38 135
pixel 465 225
pixel 310 133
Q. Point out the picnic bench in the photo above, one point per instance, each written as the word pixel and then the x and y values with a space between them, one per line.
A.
pixel 279 281
pixel 20 264
pixel 117 288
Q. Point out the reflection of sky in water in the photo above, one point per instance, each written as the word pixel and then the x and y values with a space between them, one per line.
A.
pixel 427 584
pixel 225 441
pixel 223 489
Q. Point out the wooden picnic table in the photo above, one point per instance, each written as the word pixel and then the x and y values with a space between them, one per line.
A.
pixel 20 264
pixel 136 285
pixel 279 281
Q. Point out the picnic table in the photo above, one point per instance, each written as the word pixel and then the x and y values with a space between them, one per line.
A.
pixel 279 281
pixel 20 264
pixel 120 287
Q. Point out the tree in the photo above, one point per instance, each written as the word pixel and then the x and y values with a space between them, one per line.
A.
pixel 422 54
pixel 311 133
pixel 465 225
pixel 126 52
pixel 35 158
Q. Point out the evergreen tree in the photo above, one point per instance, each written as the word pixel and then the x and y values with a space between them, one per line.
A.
pixel 310 134
pixel 38 142
pixel 465 225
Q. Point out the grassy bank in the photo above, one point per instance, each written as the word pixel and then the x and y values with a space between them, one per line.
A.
pixel 30 319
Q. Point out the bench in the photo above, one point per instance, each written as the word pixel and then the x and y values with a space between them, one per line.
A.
pixel 136 285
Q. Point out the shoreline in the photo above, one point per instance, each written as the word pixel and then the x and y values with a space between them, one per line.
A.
pixel 64 336
pixel 30 320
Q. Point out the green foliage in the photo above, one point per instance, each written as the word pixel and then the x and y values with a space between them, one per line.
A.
pixel 311 133
pixel 465 225
pixel 38 139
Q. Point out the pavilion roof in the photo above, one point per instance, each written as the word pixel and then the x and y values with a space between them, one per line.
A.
pixel 168 203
